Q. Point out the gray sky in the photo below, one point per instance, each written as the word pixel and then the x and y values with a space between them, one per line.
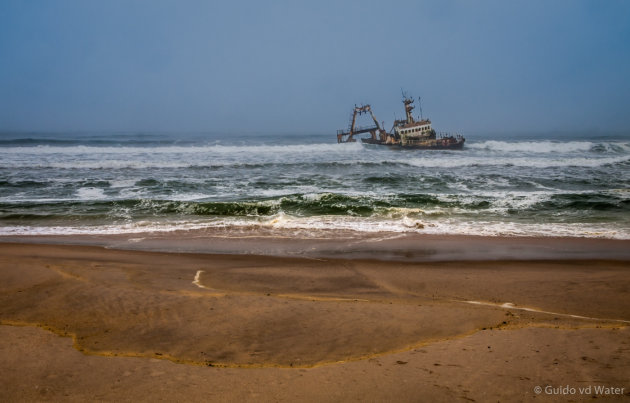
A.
pixel 479 66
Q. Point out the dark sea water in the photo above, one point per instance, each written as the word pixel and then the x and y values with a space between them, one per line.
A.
pixel 132 183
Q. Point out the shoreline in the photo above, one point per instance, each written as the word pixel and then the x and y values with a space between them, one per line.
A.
pixel 385 246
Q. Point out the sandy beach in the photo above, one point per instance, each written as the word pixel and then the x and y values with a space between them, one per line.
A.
pixel 401 201
pixel 85 322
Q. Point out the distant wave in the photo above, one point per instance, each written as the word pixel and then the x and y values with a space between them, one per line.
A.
pixel 517 161
pixel 106 147
pixel 188 149
pixel 294 160
pixel 115 141
pixel 546 146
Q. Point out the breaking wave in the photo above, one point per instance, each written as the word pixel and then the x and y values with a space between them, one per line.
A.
pixel 323 204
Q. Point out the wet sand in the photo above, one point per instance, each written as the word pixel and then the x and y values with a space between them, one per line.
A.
pixel 139 325
pixel 348 245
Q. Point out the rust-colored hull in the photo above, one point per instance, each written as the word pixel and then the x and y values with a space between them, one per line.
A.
pixel 456 144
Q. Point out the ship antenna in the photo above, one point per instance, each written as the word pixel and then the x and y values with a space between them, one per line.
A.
pixel 420 106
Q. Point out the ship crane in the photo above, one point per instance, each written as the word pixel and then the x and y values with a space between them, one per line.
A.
pixel 347 136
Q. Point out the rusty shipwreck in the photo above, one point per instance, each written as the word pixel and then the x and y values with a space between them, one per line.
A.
pixel 405 133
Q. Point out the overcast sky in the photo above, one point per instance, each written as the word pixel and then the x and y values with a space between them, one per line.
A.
pixel 479 66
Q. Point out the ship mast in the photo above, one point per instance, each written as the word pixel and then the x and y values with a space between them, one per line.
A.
pixel 408 101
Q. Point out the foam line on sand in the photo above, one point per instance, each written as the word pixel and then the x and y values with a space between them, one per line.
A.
pixel 509 305
pixel 197 281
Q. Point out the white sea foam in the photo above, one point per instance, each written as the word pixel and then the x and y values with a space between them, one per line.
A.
pixel 189 196
pixel 403 224
pixel 444 163
pixel 288 190
pixel 509 305
pixel 122 183
pixel 478 161
pixel 187 150
pixel 197 280
pixel 533 146
pixel 90 193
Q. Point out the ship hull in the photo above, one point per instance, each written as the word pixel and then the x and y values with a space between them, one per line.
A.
pixel 456 145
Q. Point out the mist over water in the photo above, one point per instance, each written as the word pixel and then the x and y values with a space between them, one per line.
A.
pixel 127 183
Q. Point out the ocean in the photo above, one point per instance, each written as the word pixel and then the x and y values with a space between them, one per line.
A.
pixel 499 185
